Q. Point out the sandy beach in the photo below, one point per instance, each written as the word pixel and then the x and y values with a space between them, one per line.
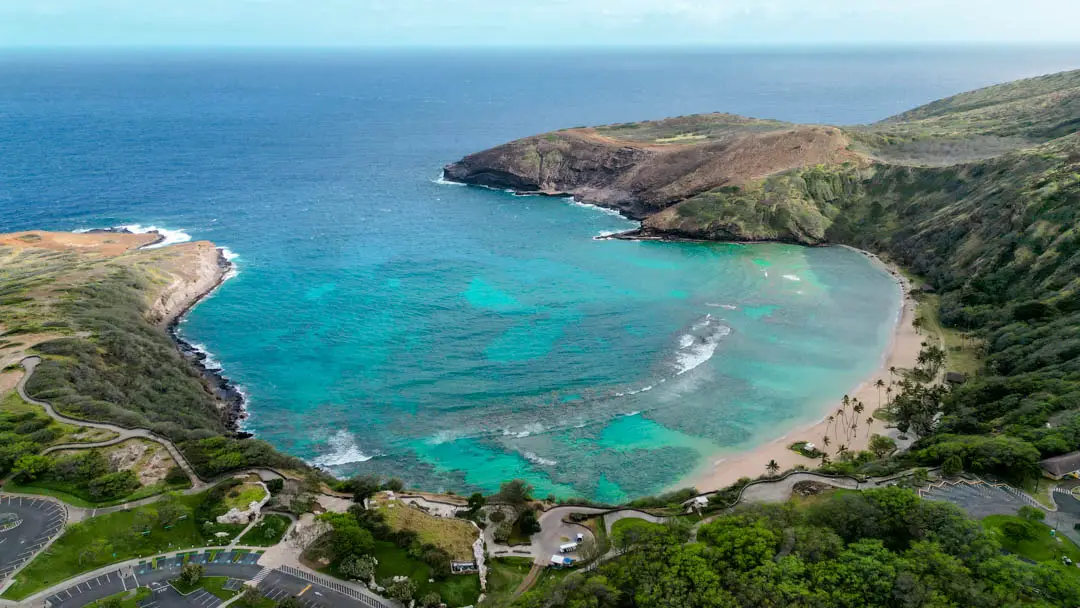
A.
pixel 903 352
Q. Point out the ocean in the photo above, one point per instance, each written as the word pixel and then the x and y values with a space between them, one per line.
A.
pixel 381 321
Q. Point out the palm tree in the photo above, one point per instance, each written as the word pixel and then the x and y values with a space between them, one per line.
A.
pixel 830 420
pixel 841 449
pixel 825 440
pixel 772 468
pixel 880 384
pixel 869 423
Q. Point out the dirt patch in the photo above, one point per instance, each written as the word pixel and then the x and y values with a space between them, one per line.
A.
pixel 148 460
pixel 810 488
pixel 104 244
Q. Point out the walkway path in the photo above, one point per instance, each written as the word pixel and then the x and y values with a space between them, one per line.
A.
pixel 123 434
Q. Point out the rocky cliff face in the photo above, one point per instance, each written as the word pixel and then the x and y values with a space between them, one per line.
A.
pixel 725 177
pixel 641 178
pixel 190 271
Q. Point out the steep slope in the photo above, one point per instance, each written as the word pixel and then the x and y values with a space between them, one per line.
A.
pixel 724 177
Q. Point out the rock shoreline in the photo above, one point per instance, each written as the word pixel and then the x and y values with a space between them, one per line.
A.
pixel 234 402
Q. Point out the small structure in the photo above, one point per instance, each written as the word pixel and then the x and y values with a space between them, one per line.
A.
pixel 955 377
pixel 561 561
pixel 1060 467
pixel 810 447
pixel 568 548
pixel 464 567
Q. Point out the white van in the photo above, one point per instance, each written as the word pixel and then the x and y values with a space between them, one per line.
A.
pixel 568 548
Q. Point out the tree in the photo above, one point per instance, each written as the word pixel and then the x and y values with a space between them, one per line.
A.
pixel 502 532
pixel 30 467
pixel 430 600
pixel 290 602
pixel 880 384
pixel 347 538
pixel 364 487
pixel 275 485
pixel 772 468
pixel 881 445
pixel 250 598
pixel 191 574
pixel 515 492
pixel 170 510
pixel 358 567
pixel 394 485
pixel 476 502
pixel 952 466
pixel 403 589
pixel 527 522
pixel 176 476
pixel 1019 531
pixel 1029 513
pixel 94 552
pixel 496 516
pixel 111 602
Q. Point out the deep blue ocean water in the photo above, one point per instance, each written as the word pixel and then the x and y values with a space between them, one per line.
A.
pixel 458 337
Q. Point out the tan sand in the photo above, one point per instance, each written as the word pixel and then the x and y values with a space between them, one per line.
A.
pixel 902 354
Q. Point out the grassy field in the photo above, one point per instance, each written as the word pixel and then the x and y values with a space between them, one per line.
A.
pixel 243 495
pixel 624 525
pixel 104 540
pixel 394 561
pixel 964 353
pixel 128 599
pixel 212 584
pixel 1044 548
pixel 455 536
pixel 267 532
pixel 504 576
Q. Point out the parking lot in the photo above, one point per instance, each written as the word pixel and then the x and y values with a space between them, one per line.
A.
pixel 155 575
pixel 278 585
pixel 30 524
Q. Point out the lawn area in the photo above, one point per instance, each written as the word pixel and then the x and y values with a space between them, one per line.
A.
pixel 455 536
pixel 394 561
pixel 243 495
pixel 108 539
pixel 504 576
pixel 128 599
pixel 1044 548
pixel 963 353
pixel 624 526
pixel 267 532
pixel 212 584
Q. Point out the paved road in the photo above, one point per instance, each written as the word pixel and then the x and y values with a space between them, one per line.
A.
pixel 278 585
pixel 39 521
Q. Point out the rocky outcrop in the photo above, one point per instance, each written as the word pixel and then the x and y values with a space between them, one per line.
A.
pixel 193 270
pixel 641 177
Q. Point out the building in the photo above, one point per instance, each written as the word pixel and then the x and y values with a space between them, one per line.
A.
pixel 1060 467
pixel 464 567
pixel 561 561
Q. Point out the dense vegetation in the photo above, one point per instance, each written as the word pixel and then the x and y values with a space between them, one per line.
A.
pixel 873 548
pixel 113 365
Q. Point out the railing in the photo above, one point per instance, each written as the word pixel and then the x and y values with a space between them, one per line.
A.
pixel 335 586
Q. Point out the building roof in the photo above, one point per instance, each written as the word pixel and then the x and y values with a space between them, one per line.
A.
pixel 1061 465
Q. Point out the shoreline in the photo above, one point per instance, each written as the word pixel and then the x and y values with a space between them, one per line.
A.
pixel 233 400
pixel 226 391
pixel 724 469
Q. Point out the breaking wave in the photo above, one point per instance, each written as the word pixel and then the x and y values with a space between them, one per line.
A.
pixel 343 450
pixel 699 344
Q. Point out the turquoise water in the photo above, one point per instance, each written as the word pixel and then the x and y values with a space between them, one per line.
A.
pixel 457 337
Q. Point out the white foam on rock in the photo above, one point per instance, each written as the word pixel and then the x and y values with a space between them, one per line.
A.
pixel 169 237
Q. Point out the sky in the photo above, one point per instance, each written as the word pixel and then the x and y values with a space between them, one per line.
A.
pixel 471 23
